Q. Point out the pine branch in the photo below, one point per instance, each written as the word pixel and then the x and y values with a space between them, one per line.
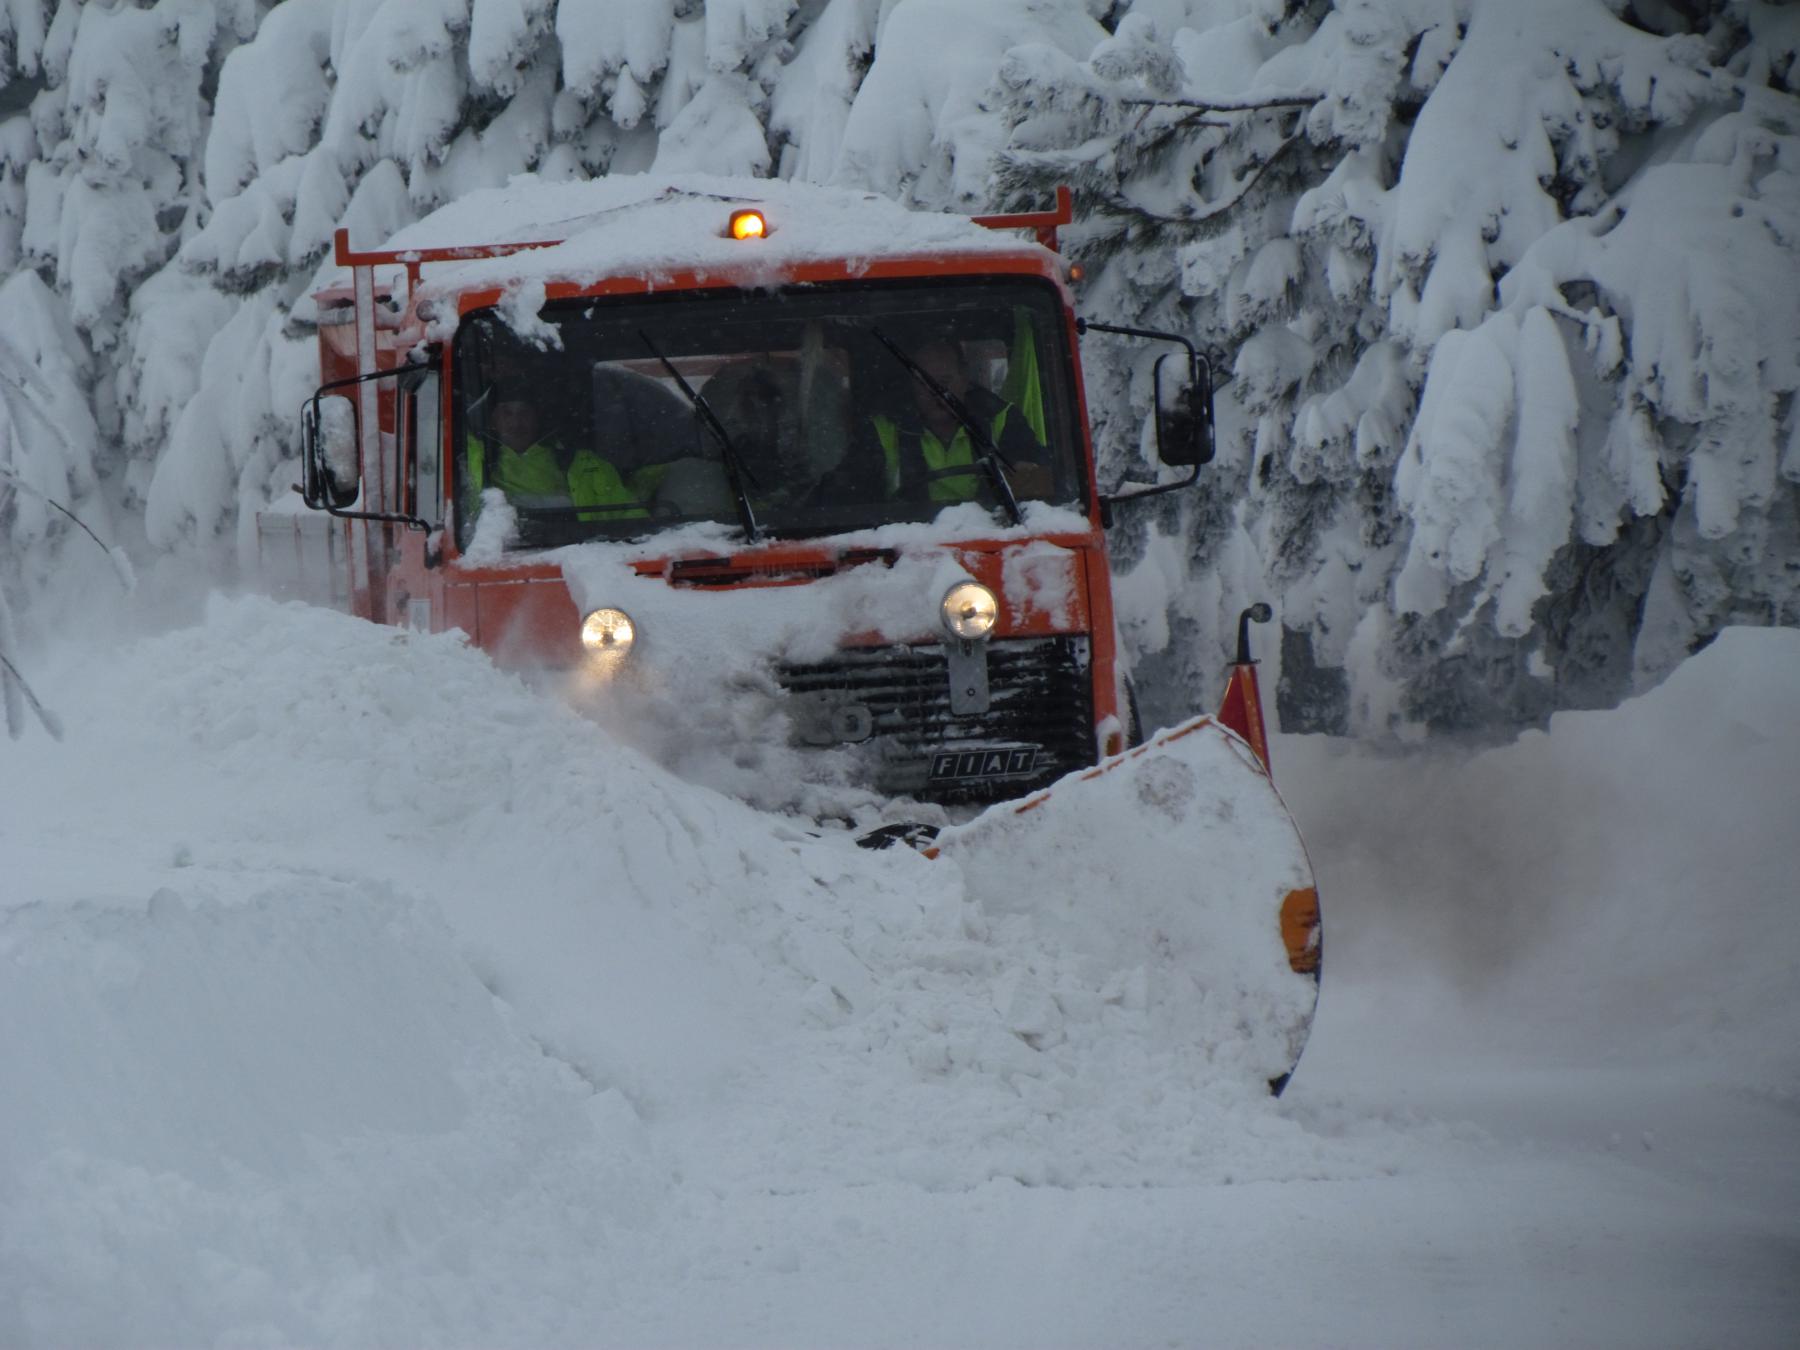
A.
pixel 52 723
pixel 25 391
pixel 1117 202
pixel 121 564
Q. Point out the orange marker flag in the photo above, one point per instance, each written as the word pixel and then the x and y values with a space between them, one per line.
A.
pixel 1241 709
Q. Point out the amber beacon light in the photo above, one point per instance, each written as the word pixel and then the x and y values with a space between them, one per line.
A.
pixel 747 224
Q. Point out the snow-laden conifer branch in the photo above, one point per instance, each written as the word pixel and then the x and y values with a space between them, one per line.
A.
pixel 14 725
pixel 1120 205
pixel 121 564
pixel 1259 104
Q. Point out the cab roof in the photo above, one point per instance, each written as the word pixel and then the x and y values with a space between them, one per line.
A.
pixel 655 228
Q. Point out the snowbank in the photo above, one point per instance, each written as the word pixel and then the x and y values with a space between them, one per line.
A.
pixel 356 993
pixel 1619 885
pixel 301 898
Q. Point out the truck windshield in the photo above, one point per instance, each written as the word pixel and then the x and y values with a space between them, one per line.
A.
pixel 796 412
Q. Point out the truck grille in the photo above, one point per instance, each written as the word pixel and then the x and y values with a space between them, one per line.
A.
pixel 1040 701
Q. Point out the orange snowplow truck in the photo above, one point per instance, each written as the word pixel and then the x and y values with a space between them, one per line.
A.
pixel 549 411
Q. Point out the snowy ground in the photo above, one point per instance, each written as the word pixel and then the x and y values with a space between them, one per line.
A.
pixel 353 994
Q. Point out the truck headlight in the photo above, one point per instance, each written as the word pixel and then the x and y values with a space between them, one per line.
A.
pixel 969 610
pixel 608 631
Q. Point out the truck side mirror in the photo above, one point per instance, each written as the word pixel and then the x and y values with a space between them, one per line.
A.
pixel 331 459
pixel 1184 413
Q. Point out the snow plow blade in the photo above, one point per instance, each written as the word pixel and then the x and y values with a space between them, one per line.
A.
pixel 1177 877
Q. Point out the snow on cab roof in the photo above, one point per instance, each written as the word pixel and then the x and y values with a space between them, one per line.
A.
pixel 653 226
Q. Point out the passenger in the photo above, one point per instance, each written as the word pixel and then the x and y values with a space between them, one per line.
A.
pixel 926 450
pixel 517 457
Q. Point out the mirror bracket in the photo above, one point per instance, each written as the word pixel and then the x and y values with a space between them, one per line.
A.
pixel 319 487
pixel 1199 413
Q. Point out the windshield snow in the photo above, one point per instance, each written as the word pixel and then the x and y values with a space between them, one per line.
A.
pixel 786 413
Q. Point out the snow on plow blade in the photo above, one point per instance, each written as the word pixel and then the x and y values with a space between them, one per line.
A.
pixel 1175 868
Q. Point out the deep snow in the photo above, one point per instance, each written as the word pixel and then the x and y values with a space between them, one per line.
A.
pixel 355 993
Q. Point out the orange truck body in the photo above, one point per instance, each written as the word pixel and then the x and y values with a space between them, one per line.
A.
pixel 520 607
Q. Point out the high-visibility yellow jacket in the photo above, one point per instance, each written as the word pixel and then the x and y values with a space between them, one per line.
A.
pixel 935 455
pixel 1021 401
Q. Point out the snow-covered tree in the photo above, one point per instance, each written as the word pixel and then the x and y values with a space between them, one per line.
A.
pixel 1561 231
pixel 102 119
pixel 1186 152
pixel 47 440
pixel 1504 290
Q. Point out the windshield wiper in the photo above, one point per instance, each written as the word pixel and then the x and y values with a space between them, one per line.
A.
pixel 735 472
pixel 991 459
